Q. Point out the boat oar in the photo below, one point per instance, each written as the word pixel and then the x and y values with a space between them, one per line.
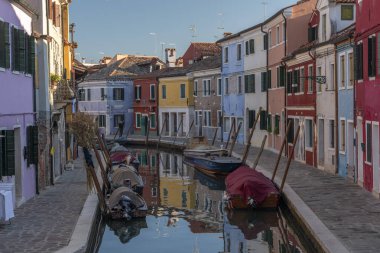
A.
pixel 261 151
pixel 290 158
pixel 281 150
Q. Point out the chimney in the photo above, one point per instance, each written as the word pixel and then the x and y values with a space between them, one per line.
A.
pixel 170 57
pixel 226 34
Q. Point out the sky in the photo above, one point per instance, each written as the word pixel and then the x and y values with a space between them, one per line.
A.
pixel 145 27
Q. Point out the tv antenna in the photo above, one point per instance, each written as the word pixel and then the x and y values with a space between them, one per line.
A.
pixel 193 29
pixel 265 3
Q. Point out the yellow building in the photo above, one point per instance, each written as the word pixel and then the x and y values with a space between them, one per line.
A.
pixel 176 102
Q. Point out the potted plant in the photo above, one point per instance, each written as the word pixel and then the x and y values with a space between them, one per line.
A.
pixel 54 79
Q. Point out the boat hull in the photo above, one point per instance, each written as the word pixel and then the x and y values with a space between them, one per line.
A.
pixel 217 166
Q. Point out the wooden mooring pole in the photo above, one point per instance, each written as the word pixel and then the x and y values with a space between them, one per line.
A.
pixel 98 188
pixel 290 158
pixel 261 151
pixel 229 135
pixel 102 170
pixel 247 146
pixel 215 134
pixel 179 127
pixel 281 150
pixel 162 129
pixel 234 139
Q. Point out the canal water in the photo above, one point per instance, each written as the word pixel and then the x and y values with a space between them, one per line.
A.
pixel 187 215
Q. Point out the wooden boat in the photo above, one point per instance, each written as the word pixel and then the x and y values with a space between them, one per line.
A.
pixel 126 157
pixel 125 176
pixel 199 146
pixel 126 204
pixel 214 164
pixel 248 188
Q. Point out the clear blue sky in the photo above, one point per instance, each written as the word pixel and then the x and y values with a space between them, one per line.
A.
pixel 107 27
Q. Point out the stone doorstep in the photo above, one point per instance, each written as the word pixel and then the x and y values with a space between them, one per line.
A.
pixel 80 236
pixel 316 228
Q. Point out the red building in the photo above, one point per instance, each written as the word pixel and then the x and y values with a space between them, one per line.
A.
pixel 367 93
pixel 197 51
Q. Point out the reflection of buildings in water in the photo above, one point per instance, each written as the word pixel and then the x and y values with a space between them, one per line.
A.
pixel 149 172
pixel 278 237
pixel 126 230
pixel 176 184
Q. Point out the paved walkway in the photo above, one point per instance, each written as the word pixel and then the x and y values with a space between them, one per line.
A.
pixel 46 223
pixel 347 210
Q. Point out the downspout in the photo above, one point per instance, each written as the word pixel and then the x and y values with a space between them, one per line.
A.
pixel 336 112
pixel 35 116
pixel 315 117
pixel 266 72
pixel 285 86
pixel 157 107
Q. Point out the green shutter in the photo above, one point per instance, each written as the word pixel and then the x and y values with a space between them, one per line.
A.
pixel 266 42
pixel 10 152
pixel 2 45
pixel 263 81
pixel 32 55
pixel 378 54
pixel 263 120
pixel 2 155
pixel 269 79
pixel 246 48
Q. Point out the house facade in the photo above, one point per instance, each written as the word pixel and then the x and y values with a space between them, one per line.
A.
pixel 233 84
pixel 18 134
pixel 367 104
pixel 206 79
pixel 176 102
pixel 197 51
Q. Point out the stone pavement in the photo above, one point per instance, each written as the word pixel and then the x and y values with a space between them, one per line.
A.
pixel 347 210
pixel 46 222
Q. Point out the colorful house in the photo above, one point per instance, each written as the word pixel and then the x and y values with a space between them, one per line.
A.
pixel 176 101
pixel 233 86
pixel 346 79
pixel 18 135
pixel 206 79
pixel 367 93
pixel 198 51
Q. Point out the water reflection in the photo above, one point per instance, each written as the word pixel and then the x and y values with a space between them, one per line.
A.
pixel 187 214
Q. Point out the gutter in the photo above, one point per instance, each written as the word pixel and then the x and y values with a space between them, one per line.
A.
pixel 266 68
pixel 285 85
pixel 336 113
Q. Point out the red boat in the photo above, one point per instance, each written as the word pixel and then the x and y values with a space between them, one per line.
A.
pixel 124 157
pixel 248 188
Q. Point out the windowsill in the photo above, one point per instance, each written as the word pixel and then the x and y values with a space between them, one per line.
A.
pixel 331 149
pixel 310 149
pixel 372 78
pixel 16 72
pixel 28 75
pixel 342 88
pixel 219 95
pixel 368 163
pixel 360 81
pixel 342 152
pixel 298 93
pixel 350 87
pixel 2 69
pixel 310 93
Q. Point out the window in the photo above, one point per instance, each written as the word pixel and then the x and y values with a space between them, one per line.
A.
pixel 226 85
pixel 152 120
pixel 277 35
pixel 265 41
pixel 249 81
pixel 331 85
pixel 302 80
pixel 118 93
pixel 281 79
pixel 359 61
pixel 102 120
pixel 295 80
pixel 5 45
pixel 226 55
pixel 207 118
pixel 351 69
pixel 219 118
pixel 154 189
pixel 238 52
pixel 227 124
pixel 289 82
pixel 263 120
pixel 368 150
pixel 347 12
pixel 269 79
pixel 250 47
pixel 371 56
pixel 342 146
pixel 118 118
pixel 137 92
pixel 324 27
pixel 88 94
pixel 81 95
pixel 277 119
pixel 263 81
pixel 102 94
pixel 138 120
pixel 331 134
pixel 163 91
pixel 342 71
pixel 270 38
pixel 269 123
pixel 18 49
pixel 310 80
pixel 319 73
pixel 291 130
pixel 251 118
pixel 197 117
pixel 313 33
pixel 152 92
pixel 240 85
pixel 309 133
pixel 283 31
pixel 7 153
pixel 195 88
pixel 206 88
pixel 219 88
pixel 182 90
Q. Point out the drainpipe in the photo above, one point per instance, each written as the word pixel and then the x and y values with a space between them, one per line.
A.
pixel 336 113
pixel 157 107
pixel 285 86
pixel 315 117
pixel 266 69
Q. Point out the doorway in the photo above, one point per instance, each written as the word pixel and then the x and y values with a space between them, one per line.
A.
pixel 18 166
pixel 321 142
pixel 360 146
pixel 350 150
pixel 375 152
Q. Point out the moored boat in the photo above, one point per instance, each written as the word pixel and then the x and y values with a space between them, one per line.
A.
pixel 126 176
pixel 214 164
pixel 248 188
pixel 126 204
pixel 199 146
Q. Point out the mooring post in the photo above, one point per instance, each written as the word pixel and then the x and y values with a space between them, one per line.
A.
pixel 289 159
pixel 162 129
pixel 98 188
pixel 280 154
pixel 147 132
pixel 188 133
pixel 105 150
pixel 229 135
pixel 215 134
pixel 179 127
pixel 260 152
pixel 102 170
pixel 234 139
pixel 245 154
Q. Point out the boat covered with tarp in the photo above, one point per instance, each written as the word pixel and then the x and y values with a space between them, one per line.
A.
pixel 127 176
pixel 126 204
pixel 248 188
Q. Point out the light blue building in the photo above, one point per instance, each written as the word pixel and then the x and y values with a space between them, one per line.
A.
pixel 108 93
pixel 345 84
pixel 233 84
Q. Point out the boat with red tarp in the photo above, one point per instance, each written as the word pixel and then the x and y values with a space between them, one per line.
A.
pixel 248 188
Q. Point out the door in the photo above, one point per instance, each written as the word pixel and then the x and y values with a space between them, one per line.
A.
pixel 375 152
pixel 360 146
pixel 350 151
pixel 321 142
pixel 18 167
pixel 144 124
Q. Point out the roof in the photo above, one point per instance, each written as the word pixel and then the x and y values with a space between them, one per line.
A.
pixel 212 62
pixel 206 48
pixel 235 35
pixel 127 67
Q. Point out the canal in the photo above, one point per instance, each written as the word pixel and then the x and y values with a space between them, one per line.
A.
pixel 187 214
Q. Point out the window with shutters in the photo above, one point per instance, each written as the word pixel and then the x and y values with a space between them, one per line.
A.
pixel 206 88
pixel 290 136
pixel 342 72
pixel 281 76
pixel 152 92
pixel 226 54
pixel 207 118
pixel 269 79
pixel 251 118
pixel 302 80
pixel 88 94
pixel 238 52
pixel 163 91
pixel 263 81
pixel 226 84
pixel 118 94
pixel 342 142
pixel 265 39
pixel 277 125
pixel 263 120
pixel 319 73
pixel 251 46
pixel 289 82
pixel 372 56
pixel 102 120
pixel 240 84
pixel 182 90
pixel 32 145
pixel 219 88
pixel 331 134
pixel 295 81
pixel 195 88
pixel 249 81
pixel 310 80
pixel 351 70
pixel 269 123
pixel 118 118
pixel 4 45
pixel 359 61
pixel 309 133
pixel 137 92
pixel 7 153
pixel 152 120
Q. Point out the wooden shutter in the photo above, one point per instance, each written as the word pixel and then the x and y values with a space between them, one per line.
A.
pixel 263 120
pixel 2 155
pixel 246 48
pixel 252 46
pixel 122 92
pixel 51 10
pixel 14 48
pixel 21 51
pixel 57 16
pixel 378 54
pixel 7 46
pixel 266 42
pixel 282 76
pixel 31 55
pixel 289 82
pixel 10 152
pixel 251 118
pixel 263 81
pixel 2 45
pixel 246 83
pixel 269 79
